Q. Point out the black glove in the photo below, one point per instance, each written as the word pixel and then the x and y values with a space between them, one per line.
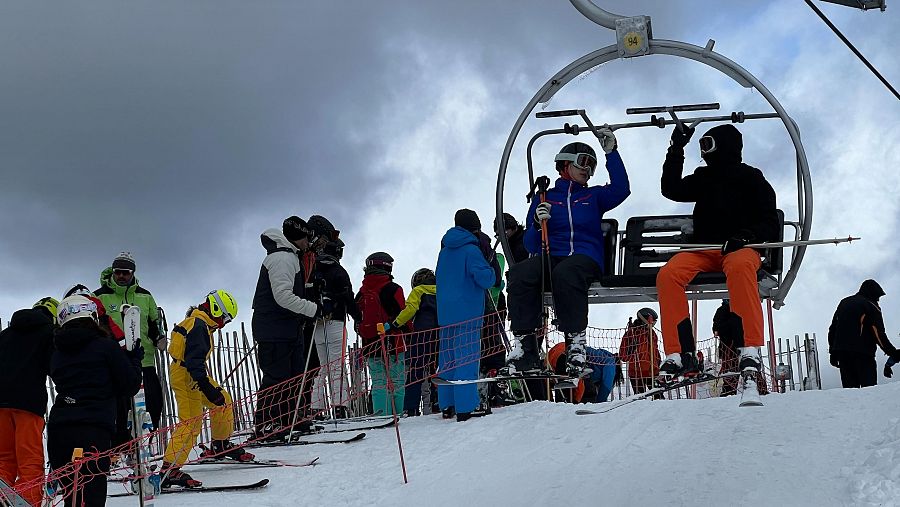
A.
pixel 681 139
pixel 736 242
pixel 834 360
pixel 136 355
pixel 213 394
pixel 327 307
pixel 888 373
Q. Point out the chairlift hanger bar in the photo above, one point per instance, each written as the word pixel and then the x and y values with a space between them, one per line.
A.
pixel 712 106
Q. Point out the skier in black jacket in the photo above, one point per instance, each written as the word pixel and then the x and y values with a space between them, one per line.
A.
pixel 25 348
pixel 857 327
pixel 735 206
pixel 89 371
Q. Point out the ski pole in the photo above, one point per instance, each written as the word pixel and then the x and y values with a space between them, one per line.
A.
pixel 543 183
pixel 769 244
pixel 312 343
pixel 390 390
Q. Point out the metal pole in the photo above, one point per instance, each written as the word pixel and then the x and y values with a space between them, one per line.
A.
pixel 799 359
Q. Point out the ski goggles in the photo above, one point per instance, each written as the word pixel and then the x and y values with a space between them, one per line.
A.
pixel 122 272
pixel 584 161
pixel 67 311
pixel 226 317
pixel 707 145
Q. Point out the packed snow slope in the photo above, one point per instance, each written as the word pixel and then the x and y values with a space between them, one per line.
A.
pixel 816 448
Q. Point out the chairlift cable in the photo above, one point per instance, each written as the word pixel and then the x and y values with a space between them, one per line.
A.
pixel 852 48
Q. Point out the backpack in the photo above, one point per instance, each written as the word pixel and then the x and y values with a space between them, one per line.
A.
pixel 374 309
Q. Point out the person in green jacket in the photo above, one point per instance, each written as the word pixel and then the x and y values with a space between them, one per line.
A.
pixel 119 286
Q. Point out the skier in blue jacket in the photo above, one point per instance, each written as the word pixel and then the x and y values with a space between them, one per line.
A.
pixel 572 213
pixel 463 275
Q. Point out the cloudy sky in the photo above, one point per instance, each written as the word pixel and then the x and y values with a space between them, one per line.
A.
pixel 180 131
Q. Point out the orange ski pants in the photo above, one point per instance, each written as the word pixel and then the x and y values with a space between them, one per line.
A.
pixel 22 452
pixel 740 269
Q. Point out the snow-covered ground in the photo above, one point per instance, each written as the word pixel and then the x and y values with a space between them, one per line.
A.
pixel 817 448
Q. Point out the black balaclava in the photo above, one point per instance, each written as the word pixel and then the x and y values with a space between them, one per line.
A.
pixel 871 290
pixel 729 144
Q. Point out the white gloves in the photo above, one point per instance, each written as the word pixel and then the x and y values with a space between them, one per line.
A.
pixel 542 212
pixel 607 139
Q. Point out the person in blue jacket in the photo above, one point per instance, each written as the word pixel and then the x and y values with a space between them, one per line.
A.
pixel 463 275
pixel 596 388
pixel 572 212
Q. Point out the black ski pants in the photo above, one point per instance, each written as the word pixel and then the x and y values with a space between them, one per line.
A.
pixel 570 278
pixel 857 370
pixel 62 439
pixel 278 361
pixel 153 394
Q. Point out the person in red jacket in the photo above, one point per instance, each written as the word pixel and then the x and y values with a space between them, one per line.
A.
pixel 640 350
pixel 380 301
pixel 25 350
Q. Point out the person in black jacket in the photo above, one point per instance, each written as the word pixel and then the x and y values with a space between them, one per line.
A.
pixel 735 206
pixel 337 304
pixel 25 348
pixel 515 235
pixel 89 371
pixel 856 328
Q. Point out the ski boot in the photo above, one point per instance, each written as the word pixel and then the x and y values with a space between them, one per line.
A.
pixel 523 354
pixel 679 364
pixel 270 433
pixel 750 366
pixel 173 476
pixel 448 413
pixel 576 355
pixel 749 361
pixel 223 449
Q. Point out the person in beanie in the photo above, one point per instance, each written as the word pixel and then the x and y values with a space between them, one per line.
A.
pixel 280 309
pixel 463 277
pixel 571 212
pixel 25 349
pixel 734 206
pixel 857 328
pixel 89 371
pixel 119 287
pixel 381 301
pixel 515 235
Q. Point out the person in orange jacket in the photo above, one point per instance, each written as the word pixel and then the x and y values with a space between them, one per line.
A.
pixel 640 350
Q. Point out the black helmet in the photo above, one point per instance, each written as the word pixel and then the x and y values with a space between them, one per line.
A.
pixel 321 227
pixel 644 314
pixel 379 261
pixel 423 276
pixel 334 248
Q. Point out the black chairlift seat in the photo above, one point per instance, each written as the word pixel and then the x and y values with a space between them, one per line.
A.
pixel 633 278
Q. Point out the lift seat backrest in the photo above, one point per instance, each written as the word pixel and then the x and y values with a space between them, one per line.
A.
pixel 641 262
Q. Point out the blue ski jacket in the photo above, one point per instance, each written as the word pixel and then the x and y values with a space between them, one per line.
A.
pixel 603 364
pixel 576 213
pixel 463 276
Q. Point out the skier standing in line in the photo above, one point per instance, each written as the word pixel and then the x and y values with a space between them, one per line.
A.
pixel 735 206
pixel 337 304
pixel 640 350
pixel 280 309
pixel 118 287
pixel 463 276
pixel 380 301
pixel 421 344
pixel 515 235
pixel 90 371
pixel 856 329
pixel 25 349
pixel 572 213
pixel 191 345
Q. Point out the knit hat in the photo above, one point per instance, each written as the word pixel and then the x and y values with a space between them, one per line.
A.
pixel 294 228
pixel 467 219
pixel 124 261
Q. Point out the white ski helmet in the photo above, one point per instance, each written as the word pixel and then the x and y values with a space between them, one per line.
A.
pixel 76 307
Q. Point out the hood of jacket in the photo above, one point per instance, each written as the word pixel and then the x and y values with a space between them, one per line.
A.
pixel 74 338
pixel 29 318
pixel 729 144
pixel 871 290
pixel 457 237
pixel 376 281
pixel 273 239
pixel 106 280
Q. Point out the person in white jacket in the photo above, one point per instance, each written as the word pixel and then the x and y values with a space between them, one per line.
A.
pixel 279 312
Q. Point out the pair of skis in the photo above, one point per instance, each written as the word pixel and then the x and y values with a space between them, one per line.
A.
pixel 206 489
pixel 287 443
pixel 146 485
pixel 748 398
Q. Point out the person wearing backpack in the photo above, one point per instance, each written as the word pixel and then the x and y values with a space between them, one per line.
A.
pixel 421 312
pixel 380 301
pixel 463 278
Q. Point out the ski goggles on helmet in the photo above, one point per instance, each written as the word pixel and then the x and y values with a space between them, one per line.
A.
pixel 707 145
pixel 70 310
pixel 222 309
pixel 584 161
